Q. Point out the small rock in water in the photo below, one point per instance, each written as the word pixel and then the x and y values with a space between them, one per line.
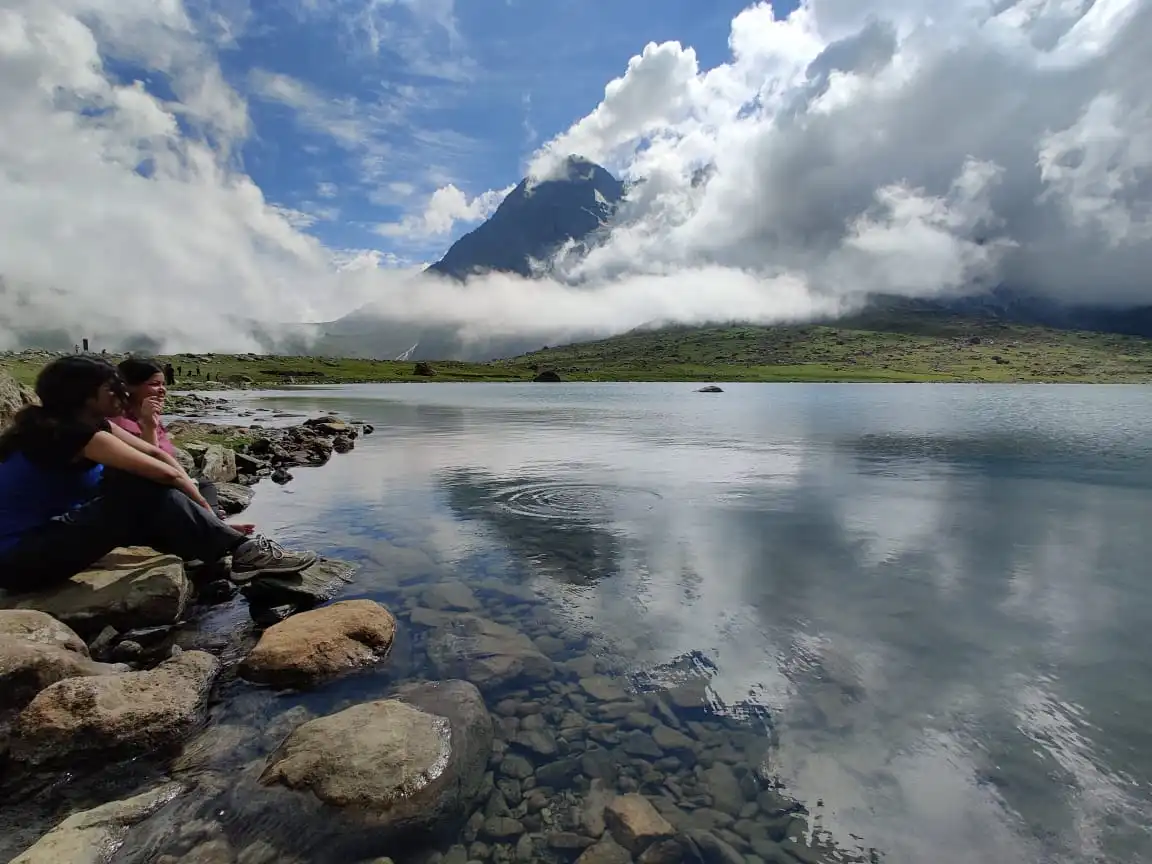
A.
pixel 501 829
pixel 711 388
pixel 635 824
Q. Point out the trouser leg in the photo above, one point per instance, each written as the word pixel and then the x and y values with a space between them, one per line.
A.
pixel 131 512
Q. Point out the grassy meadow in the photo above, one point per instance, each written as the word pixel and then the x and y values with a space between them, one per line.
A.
pixel 895 348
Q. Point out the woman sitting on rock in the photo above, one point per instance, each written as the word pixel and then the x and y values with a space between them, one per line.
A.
pixel 73 487
pixel 147 390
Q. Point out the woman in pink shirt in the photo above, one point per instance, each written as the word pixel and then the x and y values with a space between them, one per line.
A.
pixel 146 393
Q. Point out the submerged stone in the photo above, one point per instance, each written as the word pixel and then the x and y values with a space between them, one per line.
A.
pixel 394 766
pixel 92 837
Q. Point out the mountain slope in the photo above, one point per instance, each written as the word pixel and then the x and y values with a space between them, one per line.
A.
pixel 534 221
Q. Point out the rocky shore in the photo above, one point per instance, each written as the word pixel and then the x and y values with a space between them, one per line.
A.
pixel 441 721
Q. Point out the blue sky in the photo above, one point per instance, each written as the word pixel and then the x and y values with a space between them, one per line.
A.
pixel 362 109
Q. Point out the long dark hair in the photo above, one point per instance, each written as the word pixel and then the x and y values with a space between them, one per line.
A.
pixel 136 370
pixel 64 387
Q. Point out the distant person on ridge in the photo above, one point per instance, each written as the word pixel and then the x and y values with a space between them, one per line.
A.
pixel 169 374
pixel 73 487
pixel 145 382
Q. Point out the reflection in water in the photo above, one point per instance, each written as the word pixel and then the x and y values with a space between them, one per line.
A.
pixel 932 601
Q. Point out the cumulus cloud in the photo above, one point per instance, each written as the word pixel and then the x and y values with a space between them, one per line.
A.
pixel 929 148
pixel 925 149
pixel 446 206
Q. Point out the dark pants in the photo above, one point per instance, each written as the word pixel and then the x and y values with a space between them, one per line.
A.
pixel 129 511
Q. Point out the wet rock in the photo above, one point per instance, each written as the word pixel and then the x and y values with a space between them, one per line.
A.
pixel 131 587
pixel 638 744
pixel 713 850
pixel 671 740
pixel 484 652
pixel 666 852
pixel 91 836
pixel 537 741
pixel 318 584
pixel 558 774
pixel 516 767
pixel 501 829
pixel 394 766
pixel 592 813
pixel 724 787
pixel 106 714
pixel 36 651
pixel 691 696
pixel 605 852
pixel 711 388
pixel 450 596
pixel 281 475
pixel 566 841
pixel 234 498
pixel 604 689
pixel 315 646
pixel 635 824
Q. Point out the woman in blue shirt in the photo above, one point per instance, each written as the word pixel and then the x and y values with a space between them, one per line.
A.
pixel 73 487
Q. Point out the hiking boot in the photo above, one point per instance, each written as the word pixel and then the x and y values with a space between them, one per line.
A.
pixel 261 555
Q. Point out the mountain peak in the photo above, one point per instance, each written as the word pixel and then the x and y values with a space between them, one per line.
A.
pixel 535 220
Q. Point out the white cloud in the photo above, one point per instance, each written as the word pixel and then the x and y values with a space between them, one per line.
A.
pixel 924 148
pixel 327 190
pixel 446 206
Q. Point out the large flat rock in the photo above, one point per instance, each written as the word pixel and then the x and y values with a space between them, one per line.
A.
pixel 111 714
pixel 482 651
pixel 127 589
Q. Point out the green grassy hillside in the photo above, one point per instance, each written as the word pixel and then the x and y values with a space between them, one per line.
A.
pixel 912 347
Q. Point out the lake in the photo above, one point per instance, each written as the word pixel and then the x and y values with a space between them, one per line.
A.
pixel 934 599
pixel 939 593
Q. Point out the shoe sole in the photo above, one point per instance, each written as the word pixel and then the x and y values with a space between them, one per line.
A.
pixel 249 573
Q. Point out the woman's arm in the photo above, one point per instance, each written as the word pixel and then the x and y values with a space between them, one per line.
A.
pixel 144 447
pixel 106 448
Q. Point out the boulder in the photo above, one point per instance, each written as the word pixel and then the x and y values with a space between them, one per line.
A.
pixel 482 651
pixel 187 461
pixel 635 824
pixel 390 768
pixel 711 388
pixel 92 837
pixel 13 397
pixel 36 651
pixel 109 714
pixel 315 646
pixel 452 595
pixel 233 497
pixel 218 464
pixel 605 852
pixel 318 584
pixel 128 588
pixel 424 369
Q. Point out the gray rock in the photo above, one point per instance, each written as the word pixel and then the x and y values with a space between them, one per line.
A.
pixel 516 767
pixel 92 836
pixel 484 652
pixel 558 774
pixel 671 740
pixel 318 584
pixel 714 850
pixel 605 852
pixel 604 689
pixel 724 788
pixel 501 829
pixel 566 841
pixel 233 497
pixel 13 397
pixel 636 743
pixel 635 824
pixel 218 464
pixel 128 588
pixel 538 741
pixel 453 596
